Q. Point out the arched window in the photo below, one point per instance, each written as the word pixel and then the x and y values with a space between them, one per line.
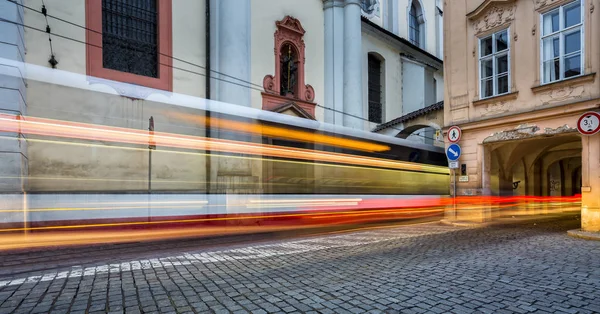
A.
pixel 416 32
pixel 375 89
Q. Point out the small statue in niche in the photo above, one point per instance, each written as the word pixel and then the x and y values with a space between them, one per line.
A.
pixel 289 71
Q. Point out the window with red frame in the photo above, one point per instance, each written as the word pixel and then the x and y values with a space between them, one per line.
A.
pixel 130 41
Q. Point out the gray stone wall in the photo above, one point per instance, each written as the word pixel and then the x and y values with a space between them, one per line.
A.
pixel 13 150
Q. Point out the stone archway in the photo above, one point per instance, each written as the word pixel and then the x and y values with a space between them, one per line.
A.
pixel 535 166
pixel 420 133
pixel 427 120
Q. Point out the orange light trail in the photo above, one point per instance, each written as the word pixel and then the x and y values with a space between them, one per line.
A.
pixel 75 130
pixel 273 131
pixel 234 217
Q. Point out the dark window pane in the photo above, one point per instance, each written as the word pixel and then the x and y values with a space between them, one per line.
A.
pixel 502 83
pixel 486 46
pixel 572 15
pixel 551 22
pixel 502 64
pixel 374 90
pixel 572 42
pixel 501 41
pixel 487 88
pixel 551 70
pixel 486 68
pixel 130 36
pixel 573 66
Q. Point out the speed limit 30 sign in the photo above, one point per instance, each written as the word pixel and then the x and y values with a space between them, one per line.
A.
pixel 589 123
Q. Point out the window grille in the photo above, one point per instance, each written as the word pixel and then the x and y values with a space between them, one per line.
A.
pixel 130 36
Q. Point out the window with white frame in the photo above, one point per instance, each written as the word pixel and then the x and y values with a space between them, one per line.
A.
pixel 562 42
pixel 494 64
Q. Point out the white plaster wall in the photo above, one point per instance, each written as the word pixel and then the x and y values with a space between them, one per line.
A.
pixel 429 15
pixel 264 14
pixel 102 168
pixel 392 85
pixel 70 54
pixel 188 40
pixel 413 86
pixel 439 77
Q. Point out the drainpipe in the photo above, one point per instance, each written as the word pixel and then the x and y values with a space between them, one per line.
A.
pixel 207 95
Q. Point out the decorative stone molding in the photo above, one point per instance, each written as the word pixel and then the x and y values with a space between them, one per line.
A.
pixel 496 99
pixel 570 82
pixel 492 13
pixel 278 103
pixel 127 90
pixel 495 16
pixel 561 94
pixel 526 131
pixel 544 3
pixel 289 31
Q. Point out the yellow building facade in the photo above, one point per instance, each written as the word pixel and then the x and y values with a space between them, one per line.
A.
pixel 518 76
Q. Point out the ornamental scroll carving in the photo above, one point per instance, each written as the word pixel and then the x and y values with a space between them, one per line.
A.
pixel 542 3
pixel 495 16
pixel 289 33
pixel 562 94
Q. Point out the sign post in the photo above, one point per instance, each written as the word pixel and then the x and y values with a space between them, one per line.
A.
pixel 151 146
pixel 453 153
pixel 589 123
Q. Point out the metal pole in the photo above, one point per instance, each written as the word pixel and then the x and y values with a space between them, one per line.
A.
pixel 149 170
pixel 454 194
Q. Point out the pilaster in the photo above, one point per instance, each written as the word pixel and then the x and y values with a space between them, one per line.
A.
pixel 590 189
pixel 13 150
pixel 353 100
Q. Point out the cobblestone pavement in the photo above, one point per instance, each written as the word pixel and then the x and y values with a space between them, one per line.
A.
pixel 514 268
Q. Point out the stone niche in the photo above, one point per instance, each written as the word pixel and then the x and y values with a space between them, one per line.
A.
pixel 287 85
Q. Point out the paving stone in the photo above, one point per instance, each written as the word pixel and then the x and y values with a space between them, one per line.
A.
pixel 408 269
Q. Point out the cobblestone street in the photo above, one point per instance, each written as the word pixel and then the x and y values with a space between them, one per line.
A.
pixel 509 268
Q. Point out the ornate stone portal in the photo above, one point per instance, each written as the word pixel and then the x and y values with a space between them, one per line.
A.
pixel 287 84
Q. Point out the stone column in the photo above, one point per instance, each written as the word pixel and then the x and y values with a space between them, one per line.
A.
pixel 13 151
pixel 590 187
pixel 230 59
pixel 353 100
pixel 334 61
pixel 230 50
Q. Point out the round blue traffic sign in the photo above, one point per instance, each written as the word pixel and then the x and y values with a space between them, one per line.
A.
pixel 453 152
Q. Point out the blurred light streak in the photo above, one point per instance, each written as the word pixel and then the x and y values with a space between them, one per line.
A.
pixel 232 217
pixel 203 154
pixel 67 129
pixel 279 132
pixel 308 200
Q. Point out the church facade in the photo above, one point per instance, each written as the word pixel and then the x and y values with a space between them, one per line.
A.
pixel 353 63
